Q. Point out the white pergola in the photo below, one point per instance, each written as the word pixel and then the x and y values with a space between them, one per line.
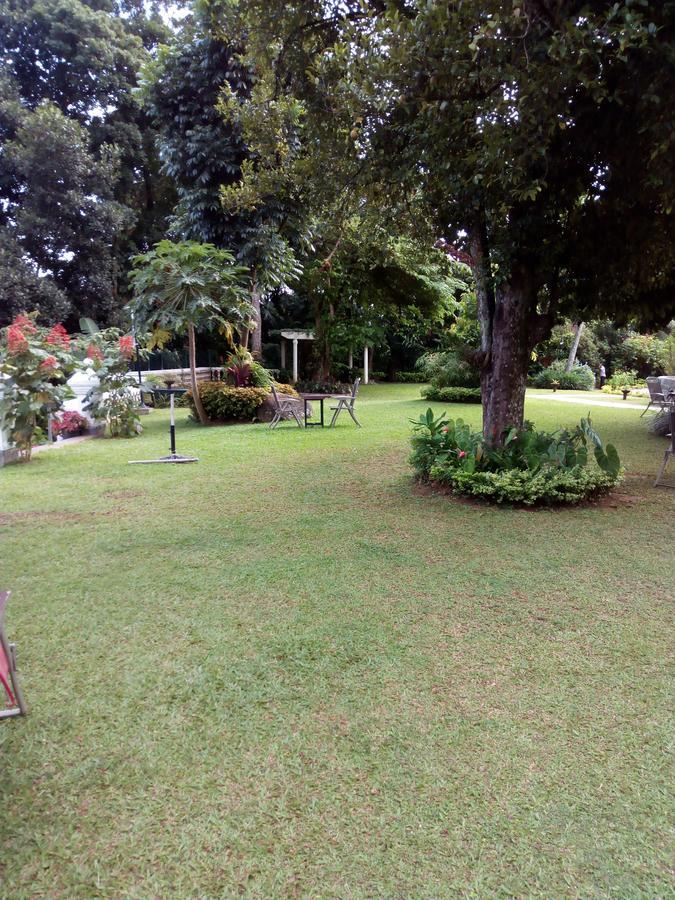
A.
pixel 295 336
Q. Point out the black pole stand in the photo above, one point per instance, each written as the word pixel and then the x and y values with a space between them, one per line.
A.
pixel 173 457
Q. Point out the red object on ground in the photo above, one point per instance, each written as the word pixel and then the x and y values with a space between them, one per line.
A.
pixel 9 677
pixel 4 662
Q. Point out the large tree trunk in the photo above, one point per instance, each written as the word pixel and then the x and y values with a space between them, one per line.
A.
pixel 256 334
pixel 510 328
pixel 199 406
pixel 503 379
pixel 571 359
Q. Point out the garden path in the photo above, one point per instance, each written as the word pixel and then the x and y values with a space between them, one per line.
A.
pixel 587 401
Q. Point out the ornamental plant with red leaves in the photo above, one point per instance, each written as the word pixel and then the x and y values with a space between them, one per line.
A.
pixel 69 424
pixel 126 345
pixel 59 336
pixel 115 399
pixel 33 373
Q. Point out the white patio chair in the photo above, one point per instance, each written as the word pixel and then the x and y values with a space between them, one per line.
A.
pixel 285 407
pixel 656 397
pixel 670 451
pixel 346 404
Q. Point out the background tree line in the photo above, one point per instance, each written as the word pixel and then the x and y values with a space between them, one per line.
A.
pixel 329 145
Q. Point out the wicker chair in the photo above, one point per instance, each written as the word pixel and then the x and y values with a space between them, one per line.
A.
pixel 285 407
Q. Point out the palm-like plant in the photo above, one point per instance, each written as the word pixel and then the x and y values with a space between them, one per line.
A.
pixel 183 287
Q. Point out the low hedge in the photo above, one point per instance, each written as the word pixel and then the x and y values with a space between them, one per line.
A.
pixel 580 378
pixel 224 403
pixel 546 487
pixel 407 377
pixel 452 394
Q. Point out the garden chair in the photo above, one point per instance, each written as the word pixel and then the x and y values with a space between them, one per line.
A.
pixel 9 677
pixel 285 406
pixel 346 404
pixel 656 397
pixel 670 451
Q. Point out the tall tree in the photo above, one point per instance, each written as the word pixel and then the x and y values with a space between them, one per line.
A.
pixel 67 73
pixel 537 133
pixel 194 93
pixel 181 288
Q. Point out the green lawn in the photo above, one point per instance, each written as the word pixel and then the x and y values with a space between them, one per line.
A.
pixel 286 671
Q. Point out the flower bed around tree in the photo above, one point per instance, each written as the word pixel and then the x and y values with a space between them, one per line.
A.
pixel 532 468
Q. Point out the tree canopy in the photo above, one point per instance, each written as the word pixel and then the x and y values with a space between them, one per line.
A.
pixel 535 135
pixel 79 183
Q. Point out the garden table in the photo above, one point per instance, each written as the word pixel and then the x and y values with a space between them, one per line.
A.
pixel 318 398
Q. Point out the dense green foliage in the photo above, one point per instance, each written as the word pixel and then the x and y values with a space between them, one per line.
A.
pixel 530 467
pixel 616 347
pixel 406 377
pixel 523 130
pixel 622 379
pixel 79 189
pixel 579 378
pixel 452 394
pixel 185 286
pixel 448 369
pixel 225 403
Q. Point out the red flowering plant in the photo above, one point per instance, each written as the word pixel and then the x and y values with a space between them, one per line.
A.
pixel 115 399
pixel 69 424
pixel 35 363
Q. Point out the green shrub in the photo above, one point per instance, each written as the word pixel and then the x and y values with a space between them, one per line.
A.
pixel 323 387
pixel 407 377
pixel 447 369
pixel 260 376
pixel 547 487
pixel 622 379
pixel 225 403
pixel 646 353
pixel 452 394
pixel 581 378
pixel 530 468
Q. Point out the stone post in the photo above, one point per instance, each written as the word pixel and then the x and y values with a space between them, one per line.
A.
pixel 8 452
pixel 295 360
pixel 81 383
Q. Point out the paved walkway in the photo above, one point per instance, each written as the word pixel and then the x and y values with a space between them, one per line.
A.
pixel 66 442
pixel 588 401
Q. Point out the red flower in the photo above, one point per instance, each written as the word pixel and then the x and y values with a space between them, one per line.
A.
pixel 58 336
pixel 93 352
pixel 127 346
pixel 49 363
pixel 16 340
pixel 461 453
pixel 24 324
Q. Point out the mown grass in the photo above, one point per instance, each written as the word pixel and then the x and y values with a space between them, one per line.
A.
pixel 287 671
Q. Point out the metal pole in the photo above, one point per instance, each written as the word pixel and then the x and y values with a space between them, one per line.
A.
pixel 172 427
